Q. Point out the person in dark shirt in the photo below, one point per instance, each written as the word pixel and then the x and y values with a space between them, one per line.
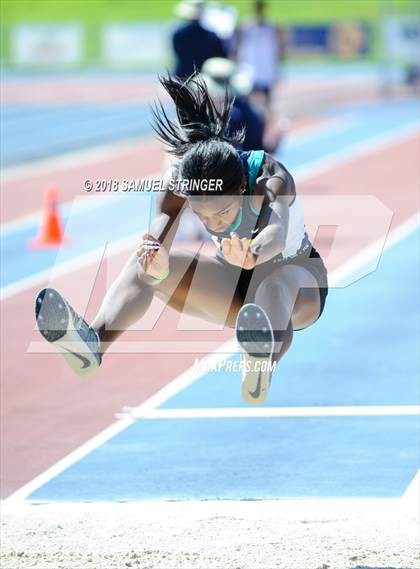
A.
pixel 192 43
pixel 243 114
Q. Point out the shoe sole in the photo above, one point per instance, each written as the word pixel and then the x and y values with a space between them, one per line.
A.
pixel 55 323
pixel 255 336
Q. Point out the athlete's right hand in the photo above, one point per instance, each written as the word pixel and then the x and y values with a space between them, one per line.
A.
pixel 152 257
pixel 237 252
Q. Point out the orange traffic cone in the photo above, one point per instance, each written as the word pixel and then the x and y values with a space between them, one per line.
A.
pixel 50 233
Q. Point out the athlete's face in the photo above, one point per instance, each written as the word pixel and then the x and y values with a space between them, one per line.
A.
pixel 217 212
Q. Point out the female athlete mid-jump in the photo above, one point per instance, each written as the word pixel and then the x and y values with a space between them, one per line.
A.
pixel 266 279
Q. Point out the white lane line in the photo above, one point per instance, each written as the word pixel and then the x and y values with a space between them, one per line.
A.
pixel 303 172
pixel 258 412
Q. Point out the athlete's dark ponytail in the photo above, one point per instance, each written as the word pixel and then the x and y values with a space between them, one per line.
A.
pixel 199 136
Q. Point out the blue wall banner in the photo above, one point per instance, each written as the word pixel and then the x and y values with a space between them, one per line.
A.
pixel 346 40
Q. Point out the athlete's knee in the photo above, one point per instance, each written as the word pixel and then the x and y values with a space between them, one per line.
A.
pixel 272 286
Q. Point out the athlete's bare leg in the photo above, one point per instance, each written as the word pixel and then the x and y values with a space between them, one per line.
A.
pixel 197 285
pixel 290 297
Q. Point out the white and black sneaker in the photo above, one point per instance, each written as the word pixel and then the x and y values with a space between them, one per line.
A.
pixel 71 335
pixel 254 334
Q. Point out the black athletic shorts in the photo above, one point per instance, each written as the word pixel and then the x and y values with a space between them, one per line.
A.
pixel 248 280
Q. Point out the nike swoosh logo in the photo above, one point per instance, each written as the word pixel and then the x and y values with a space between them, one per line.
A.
pixel 255 394
pixel 254 231
pixel 85 361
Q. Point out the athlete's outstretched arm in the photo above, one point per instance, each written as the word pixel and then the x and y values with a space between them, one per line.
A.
pixel 168 208
pixel 162 230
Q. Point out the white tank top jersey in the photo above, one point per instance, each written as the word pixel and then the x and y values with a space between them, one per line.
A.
pixel 259 49
pixel 297 238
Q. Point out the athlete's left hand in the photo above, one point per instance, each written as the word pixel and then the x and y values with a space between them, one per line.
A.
pixel 152 257
pixel 237 252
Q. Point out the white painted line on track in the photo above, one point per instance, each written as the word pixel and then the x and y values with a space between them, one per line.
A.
pixel 271 412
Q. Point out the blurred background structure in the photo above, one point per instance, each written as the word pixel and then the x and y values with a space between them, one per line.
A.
pixel 102 52
pixel 105 33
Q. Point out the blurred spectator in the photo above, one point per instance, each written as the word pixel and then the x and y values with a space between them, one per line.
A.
pixel 260 45
pixel 192 43
pixel 221 76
